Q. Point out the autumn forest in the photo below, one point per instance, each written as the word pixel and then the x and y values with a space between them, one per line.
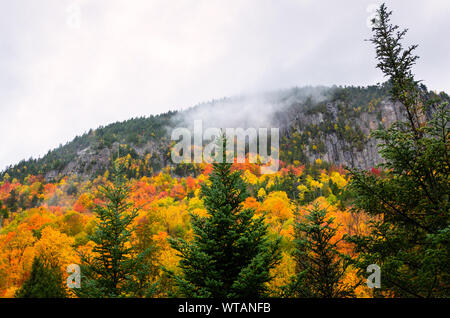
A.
pixel 222 230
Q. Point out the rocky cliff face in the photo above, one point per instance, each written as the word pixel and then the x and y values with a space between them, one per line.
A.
pixel 90 161
pixel 338 149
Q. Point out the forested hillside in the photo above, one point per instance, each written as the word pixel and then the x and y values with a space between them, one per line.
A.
pixel 332 124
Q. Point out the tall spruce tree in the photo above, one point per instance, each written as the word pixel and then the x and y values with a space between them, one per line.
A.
pixel 45 281
pixel 12 202
pixel 410 234
pixel 320 267
pixel 4 214
pixel 117 268
pixel 230 254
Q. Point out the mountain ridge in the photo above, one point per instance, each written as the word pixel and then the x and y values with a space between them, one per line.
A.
pixel 328 123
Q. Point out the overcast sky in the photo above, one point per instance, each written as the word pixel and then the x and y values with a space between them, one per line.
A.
pixel 70 65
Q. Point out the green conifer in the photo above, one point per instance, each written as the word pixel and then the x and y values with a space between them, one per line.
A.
pixel 410 233
pixel 320 266
pixel 117 268
pixel 45 281
pixel 230 255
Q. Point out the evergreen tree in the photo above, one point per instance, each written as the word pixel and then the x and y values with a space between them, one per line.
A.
pixel 320 266
pixel 118 269
pixel 409 202
pixel 230 254
pixel 12 201
pixel 287 183
pixel 34 201
pixel 45 281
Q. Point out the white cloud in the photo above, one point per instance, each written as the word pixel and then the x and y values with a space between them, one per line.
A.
pixel 141 57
